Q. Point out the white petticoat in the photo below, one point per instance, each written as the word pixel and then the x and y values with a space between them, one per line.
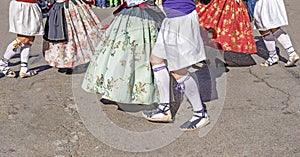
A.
pixel 269 14
pixel 25 18
pixel 179 42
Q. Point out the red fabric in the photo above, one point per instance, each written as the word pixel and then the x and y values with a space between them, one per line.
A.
pixel 89 1
pixel 231 24
pixel 142 5
pixel 124 5
pixel 121 7
pixel 49 6
pixel 104 27
pixel 28 1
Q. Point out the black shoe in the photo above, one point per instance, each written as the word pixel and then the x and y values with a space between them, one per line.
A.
pixel 106 101
pixel 68 71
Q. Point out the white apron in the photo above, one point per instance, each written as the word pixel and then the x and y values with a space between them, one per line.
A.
pixel 269 14
pixel 179 42
pixel 25 18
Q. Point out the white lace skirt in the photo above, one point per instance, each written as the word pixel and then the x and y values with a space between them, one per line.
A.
pixel 25 18
pixel 269 14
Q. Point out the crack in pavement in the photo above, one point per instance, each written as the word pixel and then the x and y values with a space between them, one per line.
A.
pixel 285 104
pixel 294 74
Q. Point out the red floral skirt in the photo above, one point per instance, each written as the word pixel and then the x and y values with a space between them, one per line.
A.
pixel 231 24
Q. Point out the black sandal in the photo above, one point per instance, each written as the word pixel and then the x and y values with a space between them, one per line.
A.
pixel 201 121
pixel 28 73
pixel 166 114
pixel 8 72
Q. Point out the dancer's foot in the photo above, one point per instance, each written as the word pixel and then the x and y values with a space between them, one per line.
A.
pixel 106 101
pixel 199 119
pixel 68 71
pixel 158 114
pixel 7 71
pixel 293 58
pixel 29 73
pixel 270 61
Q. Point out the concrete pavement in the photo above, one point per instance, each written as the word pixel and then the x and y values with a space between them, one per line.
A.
pixel 254 111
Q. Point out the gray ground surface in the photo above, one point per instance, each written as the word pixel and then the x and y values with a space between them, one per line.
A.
pixel 254 111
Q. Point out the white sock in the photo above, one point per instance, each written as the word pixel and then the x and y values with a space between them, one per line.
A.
pixel 192 93
pixel 270 43
pixel 162 77
pixel 285 41
pixel 9 53
pixel 24 58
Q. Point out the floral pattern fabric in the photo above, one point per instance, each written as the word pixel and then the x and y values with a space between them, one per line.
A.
pixel 231 24
pixel 120 70
pixel 84 34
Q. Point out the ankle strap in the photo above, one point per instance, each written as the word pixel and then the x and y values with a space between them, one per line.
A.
pixel 159 68
pixel 166 107
pixel 24 64
pixel 4 60
pixel 200 111
pixel 181 85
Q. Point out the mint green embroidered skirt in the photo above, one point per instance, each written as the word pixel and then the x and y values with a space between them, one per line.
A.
pixel 120 69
